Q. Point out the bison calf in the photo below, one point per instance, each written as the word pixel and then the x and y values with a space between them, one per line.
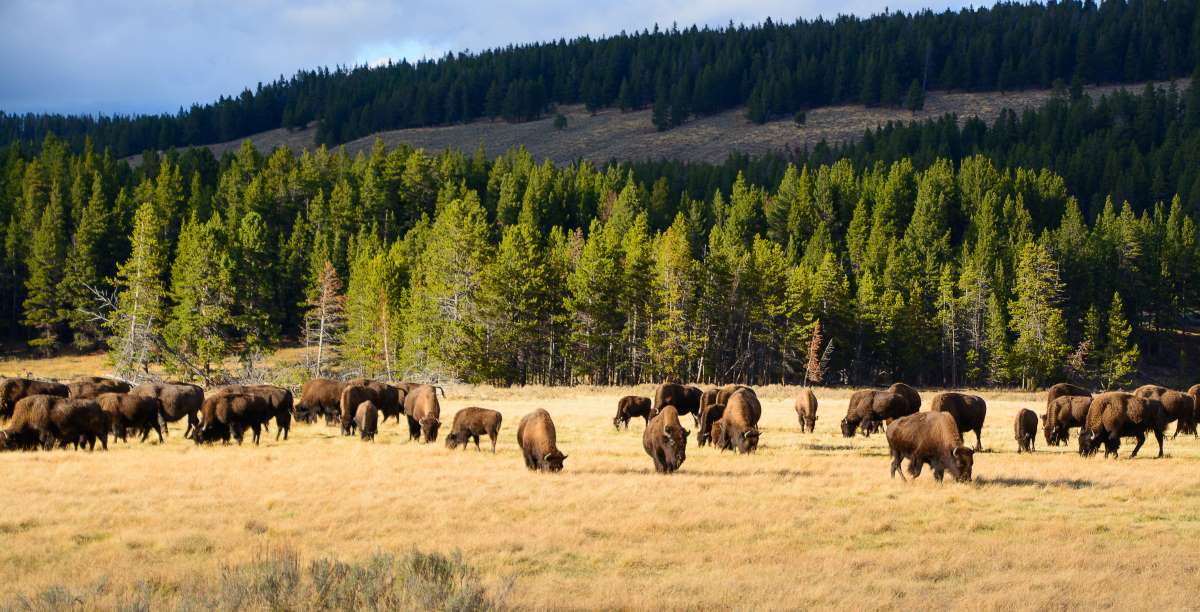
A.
pixel 933 438
pixel 1025 429
pixel 665 440
pixel 473 423
pixel 366 417
pixel 539 442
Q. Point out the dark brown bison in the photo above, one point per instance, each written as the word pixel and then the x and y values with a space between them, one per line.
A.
pixel 933 438
pixel 473 423
pixel 739 423
pixel 1178 407
pixel 685 399
pixel 868 408
pixel 629 407
pixel 709 415
pixel 1115 415
pixel 232 413
pixel 1025 430
pixel 1065 390
pixel 279 398
pixel 352 396
pixel 665 440
pixel 30 425
pixel 177 400
pixel 969 411
pixel 79 422
pixel 127 412
pixel 423 412
pixel 366 417
pixel 91 387
pixel 909 394
pixel 320 397
pixel 13 389
pixel 806 410
pixel 389 399
pixel 1063 413
pixel 708 397
pixel 539 443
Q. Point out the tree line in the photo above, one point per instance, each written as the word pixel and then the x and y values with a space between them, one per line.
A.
pixel 508 271
pixel 774 69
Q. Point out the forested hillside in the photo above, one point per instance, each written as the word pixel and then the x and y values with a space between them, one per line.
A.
pixel 934 268
pixel 772 69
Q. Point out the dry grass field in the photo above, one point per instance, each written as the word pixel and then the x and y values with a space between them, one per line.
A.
pixel 810 521
pixel 611 134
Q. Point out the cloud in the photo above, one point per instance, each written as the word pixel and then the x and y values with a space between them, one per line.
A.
pixel 132 56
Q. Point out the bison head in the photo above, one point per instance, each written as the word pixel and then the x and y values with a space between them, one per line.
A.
pixel 848 427
pixel 617 420
pixel 717 436
pixel 964 460
pixel 429 429
pixel 1088 443
pixel 811 422
pixel 452 441
pixel 749 441
pixel 553 461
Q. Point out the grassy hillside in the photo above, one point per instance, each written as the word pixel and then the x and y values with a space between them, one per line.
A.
pixel 611 134
pixel 810 521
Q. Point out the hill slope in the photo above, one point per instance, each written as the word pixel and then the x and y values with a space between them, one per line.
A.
pixel 611 134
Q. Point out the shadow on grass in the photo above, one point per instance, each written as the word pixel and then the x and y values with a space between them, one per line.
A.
pixel 1057 483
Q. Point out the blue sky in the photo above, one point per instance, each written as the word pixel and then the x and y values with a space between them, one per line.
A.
pixel 131 56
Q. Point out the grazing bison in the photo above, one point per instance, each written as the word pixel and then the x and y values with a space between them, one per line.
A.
pixel 366 417
pixel 629 407
pixel 423 412
pixel 352 396
pixel 1178 407
pixel 665 440
pixel 1065 390
pixel 1115 415
pixel 320 397
pixel 177 400
pixel 708 397
pixel 933 438
pixel 539 443
pixel 30 425
pixel 389 399
pixel 79 422
pixel 909 394
pixel 806 410
pixel 709 416
pixel 279 398
pixel 13 389
pixel 1063 413
pixel 473 423
pixel 868 408
pixel 685 399
pixel 232 413
pixel 91 387
pixel 131 412
pixel 1025 430
pixel 724 392
pixel 968 411
pixel 739 423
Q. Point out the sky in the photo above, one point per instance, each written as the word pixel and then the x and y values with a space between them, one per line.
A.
pixel 150 56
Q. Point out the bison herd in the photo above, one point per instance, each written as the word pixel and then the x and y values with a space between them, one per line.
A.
pixel 43 414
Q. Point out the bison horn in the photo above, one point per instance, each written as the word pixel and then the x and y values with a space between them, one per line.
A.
pixel 547 457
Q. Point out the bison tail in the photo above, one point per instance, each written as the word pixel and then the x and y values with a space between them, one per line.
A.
pixel 442 390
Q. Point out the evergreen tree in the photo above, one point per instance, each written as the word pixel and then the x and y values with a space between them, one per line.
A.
pixel 1040 345
pixel 203 294
pixel 44 308
pixel 324 318
pixel 82 275
pixel 1120 355
pixel 136 323
pixel 915 100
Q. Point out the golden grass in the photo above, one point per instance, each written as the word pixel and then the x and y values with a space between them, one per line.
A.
pixel 810 521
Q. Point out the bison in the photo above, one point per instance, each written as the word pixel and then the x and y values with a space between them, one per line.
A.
pixel 473 423
pixel 685 399
pixel 806 410
pixel 724 392
pixel 13 389
pixel 423 412
pixel 539 443
pixel 366 417
pixel 1178 407
pixel 352 396
pixel 709 415
pixel 177 400
pixel 665 440
pixel 968 411
pixel 279 398
pixel 1065 390
pixel 909 394
pixel 30 425
pixel 933 438
pixel 629 407
pixel 1063 413
pixel 320 397
pixel 739 423
pixel 868 408
pixel 1025 430
pixel 389 399
pixel 131 412
pixel 91 387
pixel 232 413
pixel 79 422
pixel 1115 415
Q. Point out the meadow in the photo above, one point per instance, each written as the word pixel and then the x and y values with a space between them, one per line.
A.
pixel 811 520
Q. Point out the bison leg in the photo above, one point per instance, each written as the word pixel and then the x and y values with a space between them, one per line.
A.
pixel 914 467
pixel 1158 436
pixel 477 449
pixel 492 436
pixel 896 459
pixel 1141 439
pixel 978 439
pixel 157 430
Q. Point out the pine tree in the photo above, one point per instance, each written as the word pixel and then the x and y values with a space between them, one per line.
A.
pixel 915 100
pixel 203 293
pixel 82 276
pixel 672 344
pixel 594 307
pixel 1120 356
pixel 371 299
pixel 1040 344
pixel 137 319
pixel 44 308
pixel 324 318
